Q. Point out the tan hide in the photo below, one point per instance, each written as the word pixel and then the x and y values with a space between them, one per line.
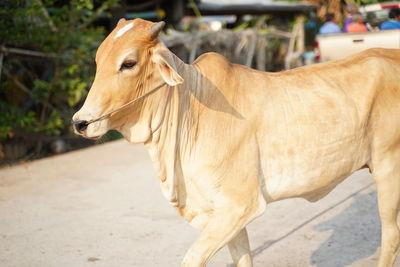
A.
pixel 232 139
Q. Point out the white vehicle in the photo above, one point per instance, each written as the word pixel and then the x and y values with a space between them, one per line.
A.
pixel 338 46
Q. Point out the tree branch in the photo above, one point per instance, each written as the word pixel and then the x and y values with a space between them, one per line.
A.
pixel 26 52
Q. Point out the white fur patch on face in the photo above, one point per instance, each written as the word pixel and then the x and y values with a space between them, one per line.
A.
pixel 123 30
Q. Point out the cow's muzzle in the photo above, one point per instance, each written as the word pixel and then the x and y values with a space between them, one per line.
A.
pixel 80 126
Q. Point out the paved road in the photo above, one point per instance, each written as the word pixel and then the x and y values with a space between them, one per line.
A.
pixel 102 206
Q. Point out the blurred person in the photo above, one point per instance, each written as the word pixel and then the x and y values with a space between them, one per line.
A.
pixel 330 26
pixel 350 10
pixel 358 24
pixel 394 20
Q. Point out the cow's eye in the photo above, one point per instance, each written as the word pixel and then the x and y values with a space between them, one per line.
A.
pixel 127 65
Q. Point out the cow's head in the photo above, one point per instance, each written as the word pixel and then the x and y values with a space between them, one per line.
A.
pixel 131 61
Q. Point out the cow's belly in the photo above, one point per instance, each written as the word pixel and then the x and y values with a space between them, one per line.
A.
pixel 310 141
pixel 313 172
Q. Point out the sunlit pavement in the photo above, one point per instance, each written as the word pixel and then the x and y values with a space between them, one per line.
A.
pixel 102 206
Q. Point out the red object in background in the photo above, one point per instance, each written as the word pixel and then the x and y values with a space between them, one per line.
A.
pixel 383 6
pixel 317 51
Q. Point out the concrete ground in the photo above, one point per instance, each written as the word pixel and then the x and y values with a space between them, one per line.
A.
pixel 102 206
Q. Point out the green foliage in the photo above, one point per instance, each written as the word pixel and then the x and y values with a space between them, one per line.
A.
pixel 366 2
pixel 38 94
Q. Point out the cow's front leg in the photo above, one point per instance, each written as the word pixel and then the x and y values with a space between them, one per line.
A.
pixel 225 224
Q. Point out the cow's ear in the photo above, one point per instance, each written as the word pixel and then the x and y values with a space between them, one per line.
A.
pixel 166 66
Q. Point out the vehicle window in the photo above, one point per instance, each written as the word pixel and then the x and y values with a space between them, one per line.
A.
pixel 377 17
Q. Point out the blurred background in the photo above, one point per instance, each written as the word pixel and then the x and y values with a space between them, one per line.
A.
pixel 47 50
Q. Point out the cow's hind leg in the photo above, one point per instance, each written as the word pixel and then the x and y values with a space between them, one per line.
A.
pixel 386 173
pixel 239 248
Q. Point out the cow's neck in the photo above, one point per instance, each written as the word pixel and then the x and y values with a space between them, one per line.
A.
pixel 165 145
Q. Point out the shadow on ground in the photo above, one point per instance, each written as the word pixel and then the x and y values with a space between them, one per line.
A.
pixel 355 234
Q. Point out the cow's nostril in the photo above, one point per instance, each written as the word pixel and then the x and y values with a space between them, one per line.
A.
pixel 80 125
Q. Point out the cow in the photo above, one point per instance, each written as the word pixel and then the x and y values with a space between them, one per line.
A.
pixel 226 139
